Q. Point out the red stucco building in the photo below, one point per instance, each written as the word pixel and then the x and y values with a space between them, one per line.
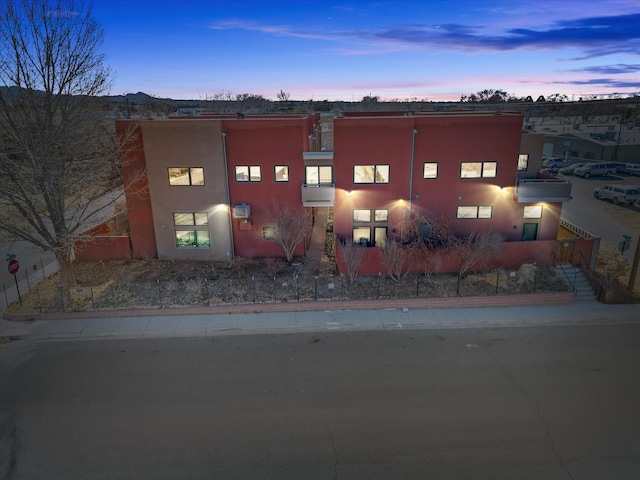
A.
pixel 206 183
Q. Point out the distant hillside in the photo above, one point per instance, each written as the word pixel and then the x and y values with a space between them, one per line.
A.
pixel 141 104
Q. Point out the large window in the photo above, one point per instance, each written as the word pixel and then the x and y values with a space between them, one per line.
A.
pixel 195 237
pixel 281 173
pixel 474 211
pixel 478 169
pixel 192 238
pixel 248 173
pixel 369 226
pixel 318 175
pixel 186 176
pixel 371 174
pixel 430 170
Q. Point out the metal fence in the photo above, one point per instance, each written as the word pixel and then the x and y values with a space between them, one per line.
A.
pixel 293 288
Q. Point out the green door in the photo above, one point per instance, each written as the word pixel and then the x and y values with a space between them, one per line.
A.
pixel 529 231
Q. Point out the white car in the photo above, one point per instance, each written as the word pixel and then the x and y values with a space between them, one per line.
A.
pixel 596 170
pixel 628 194
pixel 629 169
pixel 568 170
pixel 556 162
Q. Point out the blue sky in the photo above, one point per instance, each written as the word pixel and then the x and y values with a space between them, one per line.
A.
pixel 344 50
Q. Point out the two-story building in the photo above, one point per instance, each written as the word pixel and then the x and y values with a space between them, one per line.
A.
pixel 206 183
pixel 461 168
pixel 199 188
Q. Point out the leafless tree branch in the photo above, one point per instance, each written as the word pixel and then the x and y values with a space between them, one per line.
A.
pixel 56 149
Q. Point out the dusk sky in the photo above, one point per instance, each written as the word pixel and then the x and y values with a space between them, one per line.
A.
pixel 344 50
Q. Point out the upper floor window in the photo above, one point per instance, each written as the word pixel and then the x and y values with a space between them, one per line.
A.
pixel 474 211
pixel 523 161
pixel 186 176
pixel 281 173
pixel 430 170
pixel 248 173
pixel 478 169
pixel 195 218
pixel 532 211
pixel 318 175
pixel 371 174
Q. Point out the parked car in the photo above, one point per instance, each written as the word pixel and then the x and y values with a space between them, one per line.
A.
pixel 569 169
pixel 628 194
pixel 557 162
pixel 629 169
pixel 596 170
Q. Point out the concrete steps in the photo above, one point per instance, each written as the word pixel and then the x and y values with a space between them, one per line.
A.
pixel 574 277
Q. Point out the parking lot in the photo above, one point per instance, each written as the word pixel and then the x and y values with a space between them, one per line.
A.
pixel 601 217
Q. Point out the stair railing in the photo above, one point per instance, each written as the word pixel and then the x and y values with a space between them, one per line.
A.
pixel 564 272
pixel 584 263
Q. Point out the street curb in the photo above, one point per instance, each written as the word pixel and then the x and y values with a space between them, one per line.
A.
pixel 493 301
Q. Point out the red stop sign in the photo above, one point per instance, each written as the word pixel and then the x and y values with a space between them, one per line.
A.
pixel 13 266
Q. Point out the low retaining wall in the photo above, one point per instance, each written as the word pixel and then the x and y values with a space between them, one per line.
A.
pixel 532 299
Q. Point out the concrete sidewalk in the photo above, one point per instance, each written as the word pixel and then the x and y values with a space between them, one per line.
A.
pixel 183 324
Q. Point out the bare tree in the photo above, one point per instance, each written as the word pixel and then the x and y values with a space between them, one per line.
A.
pixel 488 95
pixel 479 249
pixel 353 256
pixel 57 158
pixel 291 226
pixel 394 258
pixel 424 237
pixel 283 96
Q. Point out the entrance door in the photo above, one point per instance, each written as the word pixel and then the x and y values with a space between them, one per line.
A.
pixel 565 253
pixel 529 231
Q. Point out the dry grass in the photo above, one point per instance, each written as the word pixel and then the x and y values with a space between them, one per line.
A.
pixel 154 283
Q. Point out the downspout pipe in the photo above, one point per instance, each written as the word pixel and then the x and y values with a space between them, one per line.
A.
pixel 226 169
pixel 413 155
pixel 410 199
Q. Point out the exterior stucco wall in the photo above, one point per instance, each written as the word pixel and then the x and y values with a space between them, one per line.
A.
pixel 187 143
pixel 532 144
pixel 135 180
pixel 265 142
pixel 448 140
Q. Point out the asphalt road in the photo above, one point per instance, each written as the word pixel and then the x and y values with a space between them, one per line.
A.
pixel 526 403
